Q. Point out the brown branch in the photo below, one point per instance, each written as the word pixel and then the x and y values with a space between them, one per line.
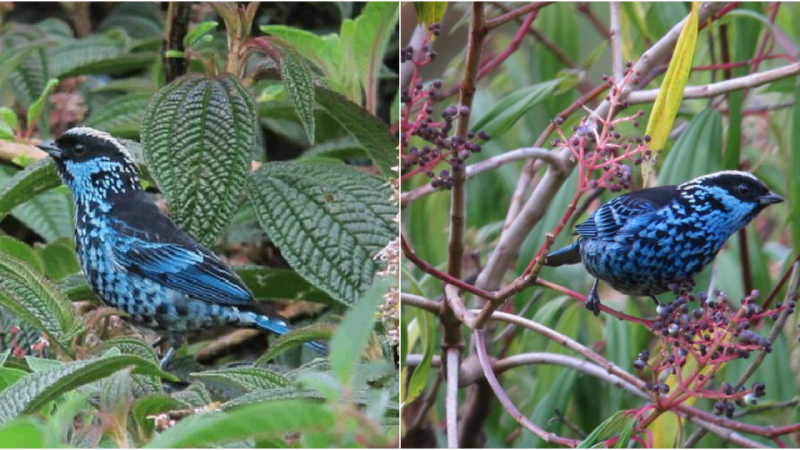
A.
pixel 531 7
pixel 177 23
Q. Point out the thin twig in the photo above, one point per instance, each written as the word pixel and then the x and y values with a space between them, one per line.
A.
pixel 616 42
pixel 407 68
pixel 529 8
pixel 178 15
pixel 722 87
pixel 488 164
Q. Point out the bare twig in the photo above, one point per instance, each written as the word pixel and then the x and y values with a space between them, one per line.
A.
pixel 488 164
pixel 407 68
pixel 722 87
pixel 451 399
pixel 531 7
pixel 616 42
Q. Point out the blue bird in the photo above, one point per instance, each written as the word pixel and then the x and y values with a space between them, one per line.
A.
pixel 136 259
pixel 644 242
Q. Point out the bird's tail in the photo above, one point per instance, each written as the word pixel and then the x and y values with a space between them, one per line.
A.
pixel 567 255
pixel 280 327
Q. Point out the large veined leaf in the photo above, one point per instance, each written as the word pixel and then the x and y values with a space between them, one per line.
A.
pixel 49 213
pixel 197 137
pixel 299 85
pixel 329 220
pixel 373 28
pixel 141 20
pixel 35 179
pixel 248 378
pixel 69 57
pixel 31 296
pixel 35 390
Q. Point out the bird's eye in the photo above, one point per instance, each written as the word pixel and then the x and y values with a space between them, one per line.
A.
pixel 744 189
pixel 79 149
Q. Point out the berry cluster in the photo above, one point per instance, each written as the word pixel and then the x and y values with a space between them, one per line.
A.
pixel 713 333
pixel 597 145
pixel 439 145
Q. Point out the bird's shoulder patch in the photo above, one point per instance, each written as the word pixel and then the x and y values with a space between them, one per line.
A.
pixel 608 220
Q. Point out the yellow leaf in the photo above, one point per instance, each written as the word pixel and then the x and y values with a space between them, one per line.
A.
pixel 430 12
pixel 671 93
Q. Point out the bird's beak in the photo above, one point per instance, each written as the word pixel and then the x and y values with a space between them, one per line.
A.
pixel 51 149
pixel 770 199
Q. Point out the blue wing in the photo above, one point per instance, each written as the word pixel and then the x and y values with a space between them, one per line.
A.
pixel 607 221
pixel 147 243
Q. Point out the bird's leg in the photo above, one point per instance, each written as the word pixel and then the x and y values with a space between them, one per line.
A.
pixel 660 308
pixel 160 340
pixel 593 300
pixel 175 342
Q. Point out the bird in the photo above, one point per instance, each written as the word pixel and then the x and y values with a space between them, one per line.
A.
pixel 646 242
pixel 134 256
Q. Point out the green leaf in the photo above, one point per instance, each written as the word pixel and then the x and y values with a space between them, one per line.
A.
pixel 620 424
pixel 141 20
pixel 373 28
pixel 697 150
pixel 152 405
pixel 300 86
pixel 510 110
pixel 36 107
pixel 8 116
pixel 419 378
pixel 369 131
pixel 794 181
pixel 72 57
pixel 34 298
pixel 285 417
pixel 23 61
pixel 298 336
pixel 352 335
pixel 280 284
pixel 198 136
pixel 59 259
pixel 35 390
pixel 670 94
pixel 328 220
pixel 271 395
pixel 429 13
pixel 324 51
pixel 28 432
pixel 248 378
pixel 199 30
pixel 22 252
pixel 120 116
pixel 26 184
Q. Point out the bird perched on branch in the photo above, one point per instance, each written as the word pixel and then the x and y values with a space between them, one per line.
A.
pixel 136 259
pixel 645 242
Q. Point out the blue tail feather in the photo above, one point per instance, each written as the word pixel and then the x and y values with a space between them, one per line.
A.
pixel 278 326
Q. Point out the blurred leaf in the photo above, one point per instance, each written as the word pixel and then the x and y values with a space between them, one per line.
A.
pixel 140 20
pixel 794 181
pixel 328 220
pixel 248 378
pixel 36 107
pixel 419 378
pixel 697 150
pixel 670 94
pixel 59 259
pixel 324 51
pixel 271 395
pixel 34 298
pixel 23 61
pixel 28 432
pixel 429 13
pixel 315 332
pixel 509 110
pixel 22 252
pixel 197 137
pixel 285 417
pixel 34 390
pixel 373 28
pixel 369 131
pixel 26 184
pixel 70 58
pixel 620 424
pixel 198 31
pixel 352 335
pixel 150 406
pixel 121 116
pixel 9 117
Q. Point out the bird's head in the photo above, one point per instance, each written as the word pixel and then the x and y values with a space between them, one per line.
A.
pixel 88 159
pixel 739 195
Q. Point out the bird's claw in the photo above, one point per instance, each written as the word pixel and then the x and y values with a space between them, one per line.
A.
pixel 593 303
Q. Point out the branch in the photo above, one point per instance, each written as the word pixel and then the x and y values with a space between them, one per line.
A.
pixel 488 164
pixel 451 397
pixel 616 41
pixel 407 68
pixel 531 7
pixel 177 26
pixel 722 87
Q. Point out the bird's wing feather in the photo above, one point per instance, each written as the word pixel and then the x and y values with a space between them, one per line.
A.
pixel 607 221
pixel 149 244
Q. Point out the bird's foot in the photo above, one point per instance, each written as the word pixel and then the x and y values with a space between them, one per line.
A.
pixel 593 300
pixel 175 342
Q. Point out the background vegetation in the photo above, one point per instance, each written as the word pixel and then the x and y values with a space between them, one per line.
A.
pixel 517 67
pixel 285 112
